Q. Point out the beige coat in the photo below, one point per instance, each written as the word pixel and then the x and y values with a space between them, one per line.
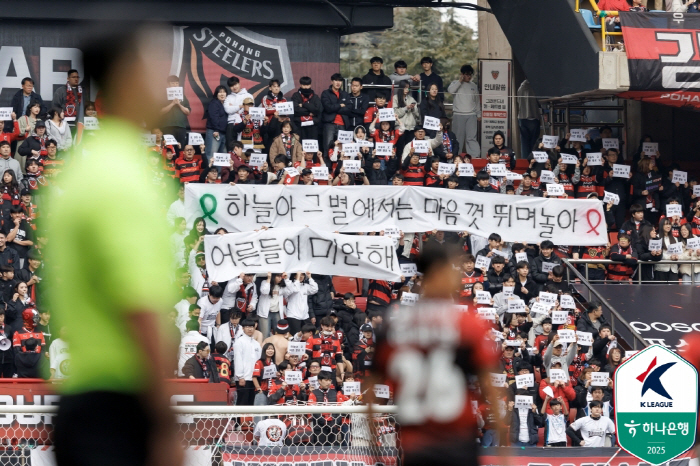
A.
pixel 277 148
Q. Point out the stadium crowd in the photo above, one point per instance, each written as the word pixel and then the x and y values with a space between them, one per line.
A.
pixel 241 332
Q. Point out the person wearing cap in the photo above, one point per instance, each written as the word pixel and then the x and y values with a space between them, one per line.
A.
pixel 554 351
pixel 307 177
pixel 419 134
pixel 246 352
pixel 335 103
pixel 249 131
pixel 375 76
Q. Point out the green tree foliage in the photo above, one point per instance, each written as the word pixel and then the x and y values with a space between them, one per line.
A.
pixel 417 32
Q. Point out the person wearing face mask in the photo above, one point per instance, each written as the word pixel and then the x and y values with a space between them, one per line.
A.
pixel 593 427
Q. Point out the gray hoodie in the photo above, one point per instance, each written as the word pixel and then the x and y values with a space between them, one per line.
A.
pixel 550 359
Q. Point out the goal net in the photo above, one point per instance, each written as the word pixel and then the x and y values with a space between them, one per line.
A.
pixel 289 435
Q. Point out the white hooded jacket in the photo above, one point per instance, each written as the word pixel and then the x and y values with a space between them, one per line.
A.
pixel 234 103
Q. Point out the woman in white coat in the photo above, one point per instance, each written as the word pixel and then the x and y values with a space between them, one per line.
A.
pixel 58 130
pixel 271 309
pixel 301 286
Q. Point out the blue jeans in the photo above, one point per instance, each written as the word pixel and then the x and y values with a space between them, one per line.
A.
pixel 529 132
pixel 212 146
pixel 491 438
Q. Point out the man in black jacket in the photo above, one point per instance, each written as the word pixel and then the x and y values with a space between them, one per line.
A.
pixel 22 99
pixel 525 288
pixel 201 366
pixel 544 263
pixel 307 109
pixel 322 302
pixel 335 108
pixel 29 363
pixel 375 76
pixel 358 103
pixel 593 320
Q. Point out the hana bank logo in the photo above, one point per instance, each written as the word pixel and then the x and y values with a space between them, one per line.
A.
pixel 651 380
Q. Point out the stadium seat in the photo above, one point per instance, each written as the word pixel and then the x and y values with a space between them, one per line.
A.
pixel 521 165
pixel 612 237
pixel 344 285
pixel 590 21
pixel 361 303
pixel 479 164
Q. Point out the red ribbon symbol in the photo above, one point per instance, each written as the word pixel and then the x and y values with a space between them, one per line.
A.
pixel 590 224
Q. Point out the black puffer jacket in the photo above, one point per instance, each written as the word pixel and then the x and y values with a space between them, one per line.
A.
pixel 322 302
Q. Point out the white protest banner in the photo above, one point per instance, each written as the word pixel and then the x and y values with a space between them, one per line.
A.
pixel 364 142
pixel 408 269
pixel 6 114
pixel 673 210
pixel 512 176
pixel 309 145
pixel 285 108
pixel 282 250
pixel 431 123
pixel 351 388
pixel 558 375
pixel 508 291
pixel 516 306
pixel 549 298
pixel 523 402
pixel 482 262
pixel 446 168
pixel 600 379
pixel 567 302
pixel 550 142
pixel 409 299
pixel 291 171
pixel 465 169
pixel 296 348
pixel 521 257
pixel 386 114
pixel 270 372
pixel 539 308
pixel 548 266
pixel 292 377
pixel 381 391
pixel 384 149
pixel 574 222
pixel 170 140
pixel 345 136
pixel 483 297
pixel 148 139
pixel 497 169
pixel 650 148
pixel 654 245
pixel 621 171
pixel 610 197
pixel 525 380
pixel 256 113
pixel 546 176
pixel 320 173
pixel 554 189
pixel 559 317
pixel 548 391
pixel 257 160
pixel 540 157
pixel 391 232
pixel 692 243
pixel 594 158
pixel 487 313
pixel 498 252
pixel 498 380
pixel 696 190
pixel 222 159
pixel 421 147
pixel 174 93
pixel 675 249
pixel 313 383
pixel 352 166
pixel 584 338
pixel 578 135
pixel 569 159
pixel 679 177
pixel 91 123
pixel 611 143
pixel 566 336
pixel 496 334
pixel 195 139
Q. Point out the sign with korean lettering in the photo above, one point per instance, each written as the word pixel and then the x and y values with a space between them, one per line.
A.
pixel 554 189
pixel 621 171
pixel 352 166
pixel 465 169
pixel 566 336
pixel 91 123
pixel 300 249
pixel 600 379
pixel 559 317
pixel 174 93
pixel 296 348
pixel 523 401
pixel 421 147
pixel 431 123
pixel 569 159
pixel 292 377
pixel 257 113
pixel 679 177
pixel 170 139
pixel 385 149
pixel 594 159
pixel 495 82
pixel 650 148
pixel 409 299
pixel 351 388
pixel 525 380
pixel 497 169
pixel 575 222
pixel 578 135
pixel 540 157
pixel 498 380
pixel 550 142
pixel 309 145
pixel 611 143
pixel 656 405
pixel 386 114
pixel 673 210
pixel 546 176
pixel 221 159
pixel 257 160
pixel 320 173
pixel 195 139
pixel 446 168
pixel 345 136
pixel 381 391
pixel 285 108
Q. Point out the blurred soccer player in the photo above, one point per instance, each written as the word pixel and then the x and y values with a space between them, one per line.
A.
pixel 431 354
pixel 108 277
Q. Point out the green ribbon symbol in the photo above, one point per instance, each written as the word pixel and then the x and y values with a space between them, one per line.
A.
pixel 206 213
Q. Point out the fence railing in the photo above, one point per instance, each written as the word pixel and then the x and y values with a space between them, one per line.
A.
pixel 637 276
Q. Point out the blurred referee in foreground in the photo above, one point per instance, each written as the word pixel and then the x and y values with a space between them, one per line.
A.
pixel 109 260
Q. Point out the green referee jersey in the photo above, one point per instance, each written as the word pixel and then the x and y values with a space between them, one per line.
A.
pixel 108 256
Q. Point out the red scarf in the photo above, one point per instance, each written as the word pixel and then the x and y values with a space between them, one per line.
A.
pixel 204 367
pixel 73 101
pixel 305 99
